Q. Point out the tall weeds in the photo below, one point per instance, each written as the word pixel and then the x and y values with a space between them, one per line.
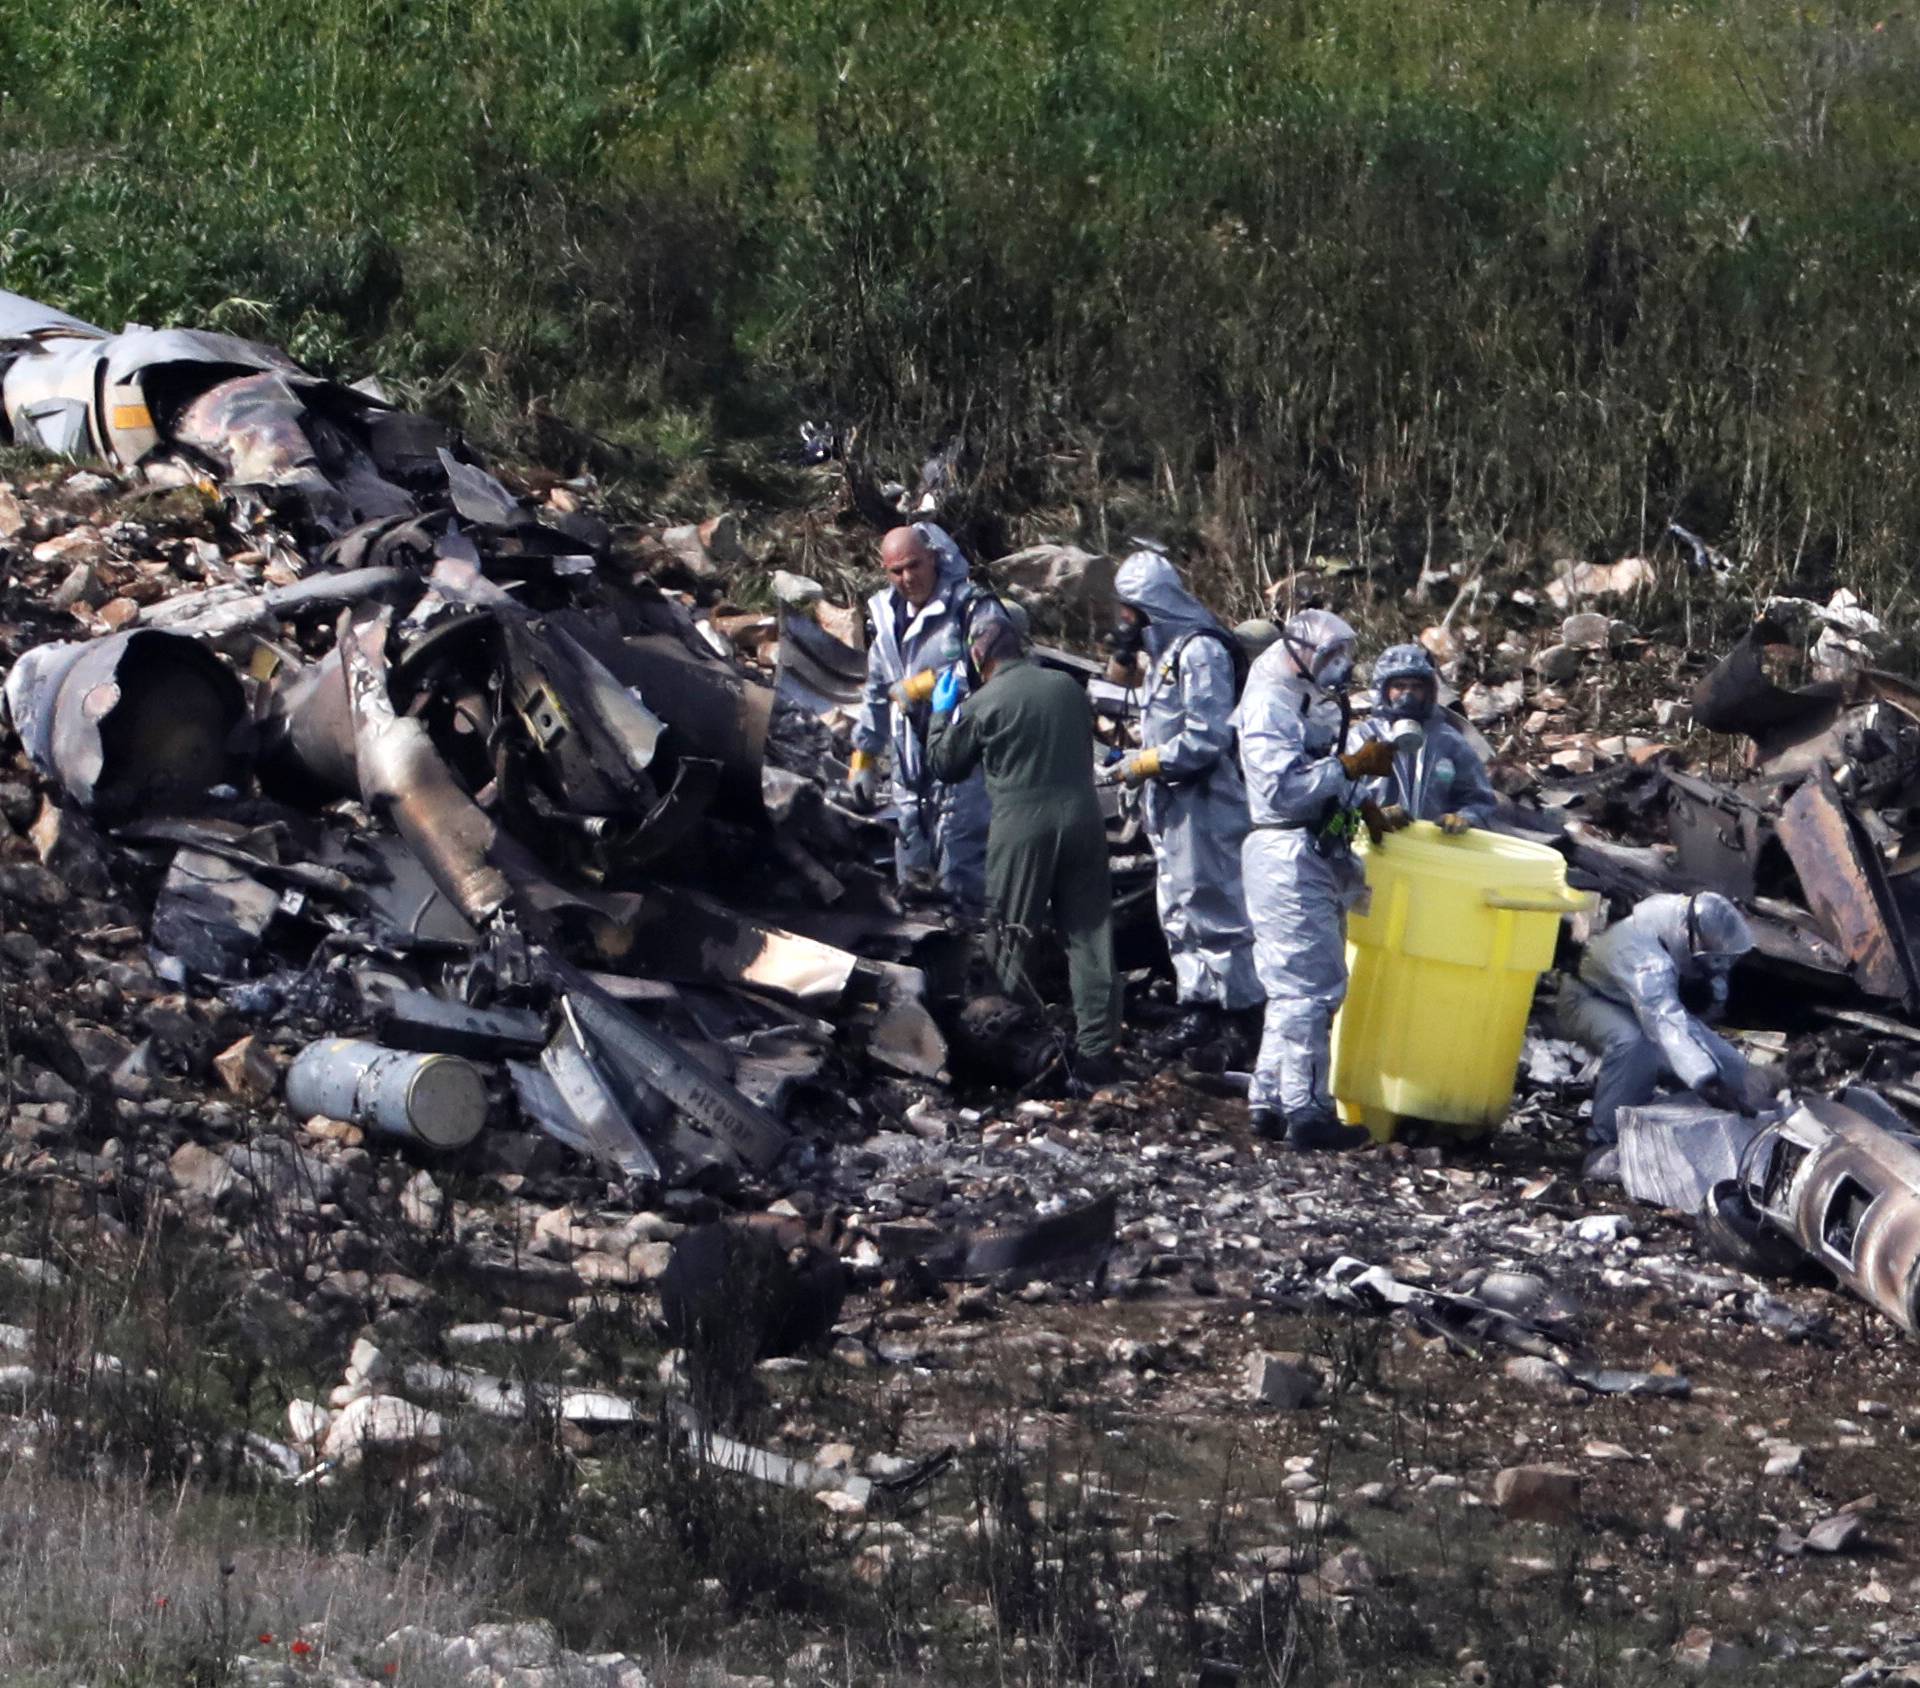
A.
pixel 1425 276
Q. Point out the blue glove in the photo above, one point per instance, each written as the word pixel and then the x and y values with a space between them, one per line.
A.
pixel 950 689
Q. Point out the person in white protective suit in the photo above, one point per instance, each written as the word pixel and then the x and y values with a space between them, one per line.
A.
pixel 1626 1007
pixel 924 621
pixel 1193 800
pixel 1304 790
pixel 1436 776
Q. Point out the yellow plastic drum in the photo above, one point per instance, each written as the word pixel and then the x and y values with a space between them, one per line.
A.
pixel 1442 957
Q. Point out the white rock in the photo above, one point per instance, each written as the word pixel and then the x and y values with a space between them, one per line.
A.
pixel 382 1422
pixel 422 1201
pixel 1600 1227
pixel 308 1421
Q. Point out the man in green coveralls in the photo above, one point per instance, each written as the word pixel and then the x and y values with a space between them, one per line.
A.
pixel 1032 730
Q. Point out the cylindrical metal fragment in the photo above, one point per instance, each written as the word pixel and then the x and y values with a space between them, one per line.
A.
pixel 439 1100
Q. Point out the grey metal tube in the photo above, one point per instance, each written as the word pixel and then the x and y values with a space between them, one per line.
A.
pixel 438 1100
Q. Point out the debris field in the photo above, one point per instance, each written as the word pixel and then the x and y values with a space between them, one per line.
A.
pixel 441 895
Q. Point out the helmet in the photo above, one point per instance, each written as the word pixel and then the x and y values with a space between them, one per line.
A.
pixel 1402 663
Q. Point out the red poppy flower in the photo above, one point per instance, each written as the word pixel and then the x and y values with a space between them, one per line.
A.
pixel 300 1649
pixel 265 1638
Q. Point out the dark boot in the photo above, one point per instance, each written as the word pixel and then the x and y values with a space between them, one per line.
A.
pixel 1089 1073
pixel 1321 1129
pixel 1269 1123
pixel 1196 1026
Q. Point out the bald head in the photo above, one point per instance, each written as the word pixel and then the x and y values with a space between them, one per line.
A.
pixel 908 562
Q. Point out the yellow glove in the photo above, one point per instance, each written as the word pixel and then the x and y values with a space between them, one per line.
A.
pixel 863 781
pixel 915 688
pixel 1141 766
pixel 1453 824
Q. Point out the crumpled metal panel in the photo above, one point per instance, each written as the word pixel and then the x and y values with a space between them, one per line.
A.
pixel 1846 887
pixel 135 352
pixel 1866 728
pixel 692 938
pixel 211 917
pixel 262 434
pixel 478 496
pixel 1026 1248
pixel 1716 834
pixel 48 393
pixel 1739 696
pixel 815 671
pixel 251 428
pixel 629 1051
pixel 221 611
pixel 716 711
pixel 582 1111
pixel 22 318
pixel 1673 1153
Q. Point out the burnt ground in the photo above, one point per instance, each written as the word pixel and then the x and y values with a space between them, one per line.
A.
pixel 1117 1507
pixel 1142 1396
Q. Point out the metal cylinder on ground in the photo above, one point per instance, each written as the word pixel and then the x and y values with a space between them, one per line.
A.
pixel 438 1100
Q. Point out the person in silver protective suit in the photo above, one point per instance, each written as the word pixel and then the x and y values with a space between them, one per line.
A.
pixel 924 620
pixel 1436 776
pixel 1626 1007
pixel 1304 790
pixel 1194 803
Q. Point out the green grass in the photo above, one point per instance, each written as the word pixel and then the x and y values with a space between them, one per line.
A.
pixel 1428 273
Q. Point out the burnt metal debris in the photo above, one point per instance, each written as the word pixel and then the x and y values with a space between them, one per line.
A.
pixel 1810 838
pixel 1835 1185
pixel 450 780
pixel 493 806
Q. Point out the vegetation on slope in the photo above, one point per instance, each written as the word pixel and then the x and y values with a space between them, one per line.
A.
pixel 1434 273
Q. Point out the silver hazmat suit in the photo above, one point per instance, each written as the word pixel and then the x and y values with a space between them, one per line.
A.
pixel 1441 776
pixel 1625 1005
pixel 1298 888
pixel 941 832
pixel 1195 806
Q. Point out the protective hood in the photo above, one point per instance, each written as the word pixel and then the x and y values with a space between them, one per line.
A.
pixel 1405 662
pixel 952 563
pixel 1700 931
pixel 1310 637
pixel 1150 584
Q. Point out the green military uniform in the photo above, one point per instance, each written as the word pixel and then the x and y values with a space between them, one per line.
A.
pixel 1031 729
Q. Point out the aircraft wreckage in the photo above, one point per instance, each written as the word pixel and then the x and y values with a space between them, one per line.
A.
pixel 447 778
pixel 445 769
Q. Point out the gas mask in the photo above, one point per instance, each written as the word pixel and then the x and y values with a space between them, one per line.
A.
pixel 1705 993
pixel 1332 670
pixel 1415 702
pixel 1126 639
